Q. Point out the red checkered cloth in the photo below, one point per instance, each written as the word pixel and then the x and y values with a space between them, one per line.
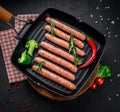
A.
pixel 8 43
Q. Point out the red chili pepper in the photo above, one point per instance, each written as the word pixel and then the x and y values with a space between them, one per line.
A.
pixel 94 52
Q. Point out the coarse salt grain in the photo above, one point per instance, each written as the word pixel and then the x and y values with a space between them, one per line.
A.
pixel 108 19
pixel 109 98
pixel 118 18
pixel 118 75
pixel 100 0
pixel 78 18
pixel 112 22
pixel 96 22
pixel 117 94
pixel 91 15
pixel 109 36
pixel 111 80
pixel 97 8
pixel 105 35
pixel 116 35
pixel 107 7
pixel 108 32
pixel 115 60
pixel 101 19
pixel 107 28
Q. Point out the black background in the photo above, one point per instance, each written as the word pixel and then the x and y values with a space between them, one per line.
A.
pixel 104 16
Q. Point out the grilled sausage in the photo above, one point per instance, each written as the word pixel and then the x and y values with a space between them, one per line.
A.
pixel 54 77
pixel 55 68
pixel 63 43
pixel 57 60
pixel 66 28
pixel 65 36
pixel 58 51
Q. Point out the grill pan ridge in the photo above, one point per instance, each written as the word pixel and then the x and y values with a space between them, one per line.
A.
pixel 36 31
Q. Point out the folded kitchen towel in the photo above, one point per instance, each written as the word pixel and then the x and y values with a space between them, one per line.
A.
pixel 8 43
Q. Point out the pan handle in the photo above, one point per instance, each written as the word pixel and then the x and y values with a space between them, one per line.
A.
pixel 5 15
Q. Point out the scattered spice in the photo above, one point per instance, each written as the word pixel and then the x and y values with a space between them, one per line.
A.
pixel 11 100
pixel 27 107
pixel 1 110
pixel 18 106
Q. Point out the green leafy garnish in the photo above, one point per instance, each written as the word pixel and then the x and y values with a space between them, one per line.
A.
pixel 73 50
pixel 71 42
pixel 52 28
pixel 31 45
pixel 25 59
pixel 40 65
pixel 77 60
pixel 104 71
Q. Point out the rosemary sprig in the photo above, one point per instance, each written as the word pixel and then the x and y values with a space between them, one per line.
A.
pixel 52 28
pixel 71 42
pixel 73 50
pixel 40 65
pixel 77 60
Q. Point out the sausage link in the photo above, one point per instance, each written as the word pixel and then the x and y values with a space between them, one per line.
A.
pixel 55 68
pixel 54 77
pixel 63 43
pixel 66 28
pixel 65 36
pixel 57 60
pixel 58 51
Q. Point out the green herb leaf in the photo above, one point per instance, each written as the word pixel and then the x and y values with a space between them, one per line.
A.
pixel 77 60
pixel 52 28
pixel 73 50
pixel 71 42
pixel 40 65
pixel 104 71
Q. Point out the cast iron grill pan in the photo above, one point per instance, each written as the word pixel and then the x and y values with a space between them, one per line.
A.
pixel 36 31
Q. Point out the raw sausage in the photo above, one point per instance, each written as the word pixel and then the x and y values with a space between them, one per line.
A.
pixel 55 68
pixel 54 77
pixel 57 60
pixel 66 28
pixel 65 36
pixel 62 43
pixel 58 51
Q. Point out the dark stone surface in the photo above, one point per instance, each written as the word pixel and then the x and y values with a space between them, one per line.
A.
pixel 104 16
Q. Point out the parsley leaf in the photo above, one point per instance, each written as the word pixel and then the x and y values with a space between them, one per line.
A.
pixel 104 71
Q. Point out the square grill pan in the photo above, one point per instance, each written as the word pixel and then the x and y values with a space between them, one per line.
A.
pixel 35 30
